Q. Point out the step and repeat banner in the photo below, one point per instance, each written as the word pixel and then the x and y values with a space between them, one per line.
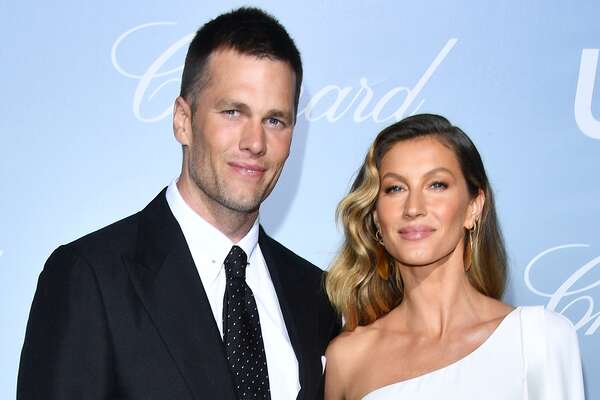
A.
pixel 86 136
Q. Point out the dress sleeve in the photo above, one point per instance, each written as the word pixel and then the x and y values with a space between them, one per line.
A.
pixel 563 377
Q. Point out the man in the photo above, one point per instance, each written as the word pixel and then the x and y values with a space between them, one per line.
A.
pixel 189 298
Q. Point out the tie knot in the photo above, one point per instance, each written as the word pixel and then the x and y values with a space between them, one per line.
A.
pixel 235 263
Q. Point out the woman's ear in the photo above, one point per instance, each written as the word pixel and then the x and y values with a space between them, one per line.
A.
pixel 475 209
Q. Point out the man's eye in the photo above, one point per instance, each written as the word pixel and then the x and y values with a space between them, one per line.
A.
pixel 439 186
pixel 231 113
pixel 274 122
pixel 393 189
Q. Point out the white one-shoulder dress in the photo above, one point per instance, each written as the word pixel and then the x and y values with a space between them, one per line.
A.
pixel 533 354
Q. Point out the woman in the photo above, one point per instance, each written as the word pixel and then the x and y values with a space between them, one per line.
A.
pixel 419 281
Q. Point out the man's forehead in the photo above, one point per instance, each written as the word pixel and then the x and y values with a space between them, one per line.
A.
pixel 232 57
pixel 234 70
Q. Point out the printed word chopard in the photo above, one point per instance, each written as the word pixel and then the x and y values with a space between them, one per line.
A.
pixel 330 102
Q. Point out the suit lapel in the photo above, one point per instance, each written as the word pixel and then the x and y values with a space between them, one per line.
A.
pixel 167 281
pixel 284 287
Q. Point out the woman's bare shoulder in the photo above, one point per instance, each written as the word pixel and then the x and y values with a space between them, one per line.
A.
pixel 345 356
pixel 350 348
pixel 352 343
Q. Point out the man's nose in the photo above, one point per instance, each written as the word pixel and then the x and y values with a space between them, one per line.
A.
pixel 253 138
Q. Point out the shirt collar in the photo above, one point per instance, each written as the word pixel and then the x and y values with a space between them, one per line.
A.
pixel 208 245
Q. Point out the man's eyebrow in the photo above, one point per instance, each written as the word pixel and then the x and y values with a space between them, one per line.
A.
pixel 286 115
pixel 228 103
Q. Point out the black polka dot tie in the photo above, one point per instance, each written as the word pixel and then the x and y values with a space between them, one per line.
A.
pixel 241 332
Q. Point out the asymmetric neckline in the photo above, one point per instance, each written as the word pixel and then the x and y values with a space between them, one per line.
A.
pixel 486 343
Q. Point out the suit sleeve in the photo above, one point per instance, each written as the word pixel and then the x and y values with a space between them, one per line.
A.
pixel 332 318
pixel 67 351
pixel 564 379
pixel 332 324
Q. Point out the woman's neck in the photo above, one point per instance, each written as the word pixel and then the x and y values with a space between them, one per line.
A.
pixel 439 297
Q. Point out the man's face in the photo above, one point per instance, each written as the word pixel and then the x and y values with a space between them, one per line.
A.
pixel 241 129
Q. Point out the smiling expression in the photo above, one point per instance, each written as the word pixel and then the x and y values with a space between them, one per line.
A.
pixel 241 129
pixel 423 204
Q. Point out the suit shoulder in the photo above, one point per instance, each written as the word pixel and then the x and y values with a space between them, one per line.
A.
pixel 115 239
pixel 117 231
pixel 298 262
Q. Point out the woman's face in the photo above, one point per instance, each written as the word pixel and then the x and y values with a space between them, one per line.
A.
pixel 423 206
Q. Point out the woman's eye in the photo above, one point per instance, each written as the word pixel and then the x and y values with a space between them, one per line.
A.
pixel 439 186
pixel 393 189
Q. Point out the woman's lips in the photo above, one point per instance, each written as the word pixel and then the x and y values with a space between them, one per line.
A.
pixel 416 232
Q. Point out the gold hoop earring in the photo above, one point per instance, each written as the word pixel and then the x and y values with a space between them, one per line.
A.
pixel 379 237
pixel 472 245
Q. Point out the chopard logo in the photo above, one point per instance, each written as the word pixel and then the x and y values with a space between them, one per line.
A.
pixel 345 98
pixel 589 125
pixel 331 102
pixel 568 291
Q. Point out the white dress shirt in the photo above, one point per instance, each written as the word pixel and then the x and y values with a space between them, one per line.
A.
pixel 209 247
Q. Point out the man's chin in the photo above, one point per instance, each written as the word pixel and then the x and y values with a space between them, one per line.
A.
pixel 243 205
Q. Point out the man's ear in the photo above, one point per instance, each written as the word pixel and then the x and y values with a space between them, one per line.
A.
pixel 182 121
pixel 475 210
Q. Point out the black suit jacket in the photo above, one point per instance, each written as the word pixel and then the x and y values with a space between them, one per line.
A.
pixel 122 314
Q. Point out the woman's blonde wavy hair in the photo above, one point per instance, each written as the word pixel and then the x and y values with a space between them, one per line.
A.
pixel 363 283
